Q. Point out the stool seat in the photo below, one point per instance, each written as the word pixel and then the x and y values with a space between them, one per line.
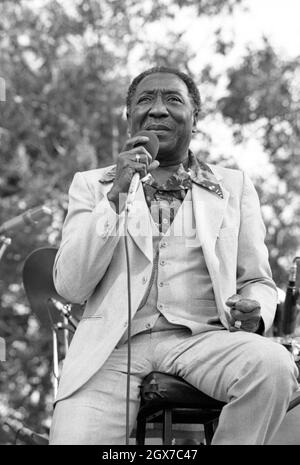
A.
pixel 170 399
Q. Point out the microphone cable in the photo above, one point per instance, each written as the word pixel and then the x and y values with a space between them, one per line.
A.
pixel 152 146
pixel 129 308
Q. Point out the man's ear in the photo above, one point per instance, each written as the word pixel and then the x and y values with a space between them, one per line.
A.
pixel 128 123
pixel 195 120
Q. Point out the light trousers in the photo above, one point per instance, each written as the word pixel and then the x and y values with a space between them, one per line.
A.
pixel 255 376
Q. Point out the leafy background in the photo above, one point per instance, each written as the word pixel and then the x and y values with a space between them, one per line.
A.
pixel 66 67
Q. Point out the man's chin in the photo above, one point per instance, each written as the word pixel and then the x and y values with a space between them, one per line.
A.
pixel 164 151
pixel 165 156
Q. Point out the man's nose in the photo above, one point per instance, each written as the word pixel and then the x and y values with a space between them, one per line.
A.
pixel 158 108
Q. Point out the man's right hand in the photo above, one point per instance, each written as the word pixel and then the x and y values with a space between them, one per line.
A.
pixel 127 166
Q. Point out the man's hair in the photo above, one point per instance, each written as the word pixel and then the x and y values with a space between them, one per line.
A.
pixel 192 88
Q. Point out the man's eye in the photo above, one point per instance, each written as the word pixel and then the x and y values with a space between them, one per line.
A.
pixel 173 98
pixel 144 99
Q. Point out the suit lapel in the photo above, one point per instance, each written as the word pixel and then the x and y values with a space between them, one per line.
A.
pixel 209 210
pixel 140 226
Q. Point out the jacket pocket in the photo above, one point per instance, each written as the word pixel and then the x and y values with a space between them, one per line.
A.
pixel 92 317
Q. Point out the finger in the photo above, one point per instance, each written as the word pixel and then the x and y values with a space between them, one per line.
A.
pixel 247 305
pixel 138 168
pixel 231 323
pixel 140 151
pixel 127 158
pixel 153 165
pixel 130 143
pixel 242 316
pixel 233 329
pixel 248 329
pixel 251 325
pixel 233 300
pixel 142 158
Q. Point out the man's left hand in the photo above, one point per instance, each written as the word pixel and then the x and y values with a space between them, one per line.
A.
pixel 245 314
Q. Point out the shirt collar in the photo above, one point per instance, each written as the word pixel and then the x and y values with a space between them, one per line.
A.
pixel 202 174
pixel 198 172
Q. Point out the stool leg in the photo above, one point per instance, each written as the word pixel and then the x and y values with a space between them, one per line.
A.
pixel 208 432
pixel 140 431
pixel 167 427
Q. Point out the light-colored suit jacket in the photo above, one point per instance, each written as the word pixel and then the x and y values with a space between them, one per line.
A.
pixel 91 263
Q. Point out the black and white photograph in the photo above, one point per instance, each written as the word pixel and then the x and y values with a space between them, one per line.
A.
pixel 149 226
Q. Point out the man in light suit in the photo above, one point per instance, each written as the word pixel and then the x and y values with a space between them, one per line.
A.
pixel 202 291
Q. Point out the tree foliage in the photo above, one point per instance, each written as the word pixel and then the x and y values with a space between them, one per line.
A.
pixel 263 92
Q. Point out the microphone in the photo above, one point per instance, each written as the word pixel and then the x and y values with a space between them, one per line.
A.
pixel 31 216
pixel 152 146
pixel 290 304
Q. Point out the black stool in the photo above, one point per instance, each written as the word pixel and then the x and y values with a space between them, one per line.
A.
pixel 168 399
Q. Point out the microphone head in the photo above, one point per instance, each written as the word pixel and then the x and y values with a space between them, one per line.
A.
pixel 152 145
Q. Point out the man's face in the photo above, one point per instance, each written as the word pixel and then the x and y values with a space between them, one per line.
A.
pixel 163 105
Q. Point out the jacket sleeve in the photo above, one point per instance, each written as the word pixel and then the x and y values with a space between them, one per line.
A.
pixel 254 277
pixel 90 235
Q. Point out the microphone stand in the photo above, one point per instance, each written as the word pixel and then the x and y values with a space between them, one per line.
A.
pixel 69 324
pixel 6 241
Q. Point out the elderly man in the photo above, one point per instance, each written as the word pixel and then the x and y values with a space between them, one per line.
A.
pixel 202 292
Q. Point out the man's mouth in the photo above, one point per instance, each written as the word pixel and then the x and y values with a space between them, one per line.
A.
pixel 158 127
